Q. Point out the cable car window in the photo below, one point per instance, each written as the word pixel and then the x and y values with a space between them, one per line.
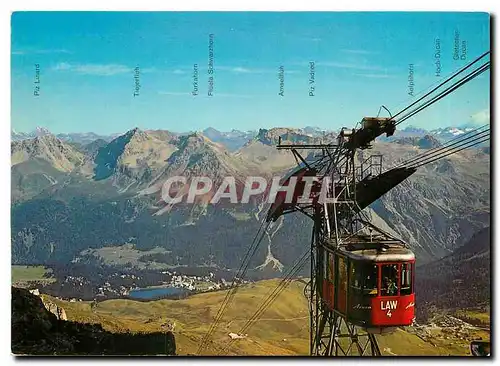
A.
pixel 356 276
pixel 406 279
pixel 363 278
pixel 370 286
pixel 389 280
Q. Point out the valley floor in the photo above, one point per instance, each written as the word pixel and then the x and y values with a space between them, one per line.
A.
pixel 282 330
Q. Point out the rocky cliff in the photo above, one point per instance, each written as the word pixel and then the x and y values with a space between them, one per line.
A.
pixel 36 331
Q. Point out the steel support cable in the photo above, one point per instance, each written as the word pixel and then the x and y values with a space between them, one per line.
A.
pixel 463 143
pixel 441 84
pixel 418 109
pixel 272 295
pixel 447 144
pixel 438 83
pixel 237 278
pixel 276 292
pixel 230 294
pixel 470 144
pixel 447 91
pixel 451 153
pixel 278 289
pixel 434 152
pixel 445 152
pixel 269 301
pixel 444 93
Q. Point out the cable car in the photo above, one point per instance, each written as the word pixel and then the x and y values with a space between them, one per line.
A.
pixel 370 283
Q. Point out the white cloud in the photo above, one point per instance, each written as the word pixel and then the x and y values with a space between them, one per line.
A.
pixel 236 69
pixel 245 70
pixel 20 52
pixel 52 51
pixel 148 70
pixel 203 95
pixel 231 69
pixel 62 66
pixel 375 76
pixel 353 66
pixel 93 69
pixel 481 117
pixel 231 95
pixel 172 93
pixel 103 70
pixel 241 70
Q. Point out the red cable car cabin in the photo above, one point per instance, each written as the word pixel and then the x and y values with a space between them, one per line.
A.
pixel 371 284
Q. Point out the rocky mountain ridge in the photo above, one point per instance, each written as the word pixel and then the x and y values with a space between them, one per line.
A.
pixel 115 188
pixel 37 331
pixel 235 139
pixel 80 138
pixel 47 147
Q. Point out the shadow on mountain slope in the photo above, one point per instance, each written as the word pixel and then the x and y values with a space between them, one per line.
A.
pixel 36 331
pixel 460 280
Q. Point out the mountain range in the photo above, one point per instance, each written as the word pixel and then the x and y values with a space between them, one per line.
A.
pixel 235 139
pixel 80 138
pixel 69 196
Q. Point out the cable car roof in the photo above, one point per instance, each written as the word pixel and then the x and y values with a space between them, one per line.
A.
pixel 382 252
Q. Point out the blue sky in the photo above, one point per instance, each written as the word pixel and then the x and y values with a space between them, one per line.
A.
pixel 361 61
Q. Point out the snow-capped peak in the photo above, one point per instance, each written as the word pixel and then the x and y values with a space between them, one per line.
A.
pixel 41 131
pixel 455 131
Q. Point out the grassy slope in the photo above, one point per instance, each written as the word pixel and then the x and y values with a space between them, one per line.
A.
pixel 282 329
pixel 476 317
pixel 23 274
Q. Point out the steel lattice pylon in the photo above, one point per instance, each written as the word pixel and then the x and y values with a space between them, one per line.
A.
pixel 336 224
pixel 336 337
